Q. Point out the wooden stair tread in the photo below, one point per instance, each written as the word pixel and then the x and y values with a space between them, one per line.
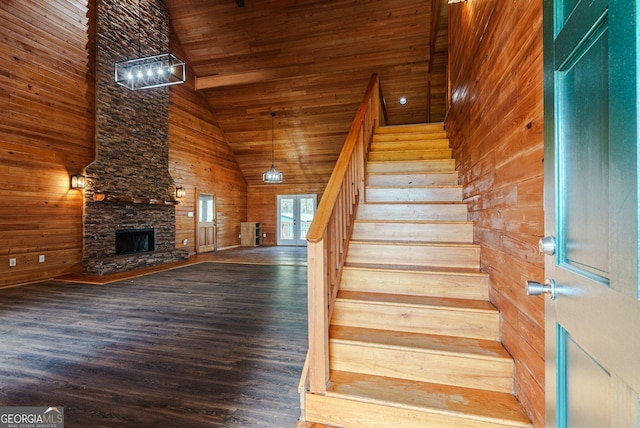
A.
pixel 412 149
pixel 408 133
pixel 437 270
pixel 477 348
pixel 444 303
pixel 408 144
pixel 393 173
pixel 436 186
pixel 414 243
pixel 415 202
pixel 410 154
pixel 474 404
pixel 437 137
pixel 448 162
pixel 414 127
pixel 394 142
pixel 387 221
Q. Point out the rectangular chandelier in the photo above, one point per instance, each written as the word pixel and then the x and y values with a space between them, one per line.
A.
pixel 150 72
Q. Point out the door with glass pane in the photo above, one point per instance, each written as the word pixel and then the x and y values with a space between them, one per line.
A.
pixel 206 228
pixel 592 318
pixel 295 213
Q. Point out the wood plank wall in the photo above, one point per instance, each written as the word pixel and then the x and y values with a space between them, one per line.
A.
pixel 46 134
pixel 201 161
pixel 262 204
pixel 495 125
pixel 309 62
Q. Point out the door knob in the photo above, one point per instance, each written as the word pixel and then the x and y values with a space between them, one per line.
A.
pixel 547 245
pixel 536 289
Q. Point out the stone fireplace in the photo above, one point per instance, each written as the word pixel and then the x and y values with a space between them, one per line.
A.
pixel 129 186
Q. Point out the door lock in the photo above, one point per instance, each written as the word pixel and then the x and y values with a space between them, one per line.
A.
pixel 536 289
pixel 547 245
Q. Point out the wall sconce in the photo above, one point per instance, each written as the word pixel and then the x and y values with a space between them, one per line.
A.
pixel 77 181
pixel 180 192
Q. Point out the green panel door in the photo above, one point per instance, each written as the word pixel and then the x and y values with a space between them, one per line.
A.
pixel 591 211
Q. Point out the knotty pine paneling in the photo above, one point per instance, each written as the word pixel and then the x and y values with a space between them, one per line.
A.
pixel 46 134
pixel 495 127
pixel 309 62
pixel 263 207
pixel 200 160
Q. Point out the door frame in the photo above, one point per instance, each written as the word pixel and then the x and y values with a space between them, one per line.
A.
pixel 198 193
pixel 297 240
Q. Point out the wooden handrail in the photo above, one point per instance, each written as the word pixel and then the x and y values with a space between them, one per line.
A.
pixel 329 233
pixel 384 116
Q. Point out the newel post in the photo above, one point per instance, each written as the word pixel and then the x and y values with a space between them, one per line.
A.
pixel 318 317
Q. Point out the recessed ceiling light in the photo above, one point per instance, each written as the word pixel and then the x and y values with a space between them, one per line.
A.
pixel 402 100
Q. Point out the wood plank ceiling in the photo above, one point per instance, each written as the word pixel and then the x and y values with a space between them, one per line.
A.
pixel 309 62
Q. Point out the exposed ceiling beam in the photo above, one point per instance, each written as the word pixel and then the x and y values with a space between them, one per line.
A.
pixel 266 75
pixel 220 80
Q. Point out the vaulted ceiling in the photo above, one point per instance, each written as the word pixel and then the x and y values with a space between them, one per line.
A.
pixel 309 61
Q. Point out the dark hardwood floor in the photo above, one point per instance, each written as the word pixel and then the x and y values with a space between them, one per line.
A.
pixel 268 255
pixel 212 344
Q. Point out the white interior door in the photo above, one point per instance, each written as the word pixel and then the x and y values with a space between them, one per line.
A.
pixel 592 327
pixel 295 213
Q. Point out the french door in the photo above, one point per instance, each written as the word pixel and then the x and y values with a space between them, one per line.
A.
pixel 592 320
pixel 295 213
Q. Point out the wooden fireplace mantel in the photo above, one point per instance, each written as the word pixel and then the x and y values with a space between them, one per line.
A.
pixel 102 197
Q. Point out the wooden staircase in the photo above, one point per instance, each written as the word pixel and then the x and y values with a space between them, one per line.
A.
pixel 414 340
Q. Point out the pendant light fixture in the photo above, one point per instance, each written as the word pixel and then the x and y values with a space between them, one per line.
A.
pixel 272 175
pixel 150 71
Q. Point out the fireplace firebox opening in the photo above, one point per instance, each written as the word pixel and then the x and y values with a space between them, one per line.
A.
pixel 130 241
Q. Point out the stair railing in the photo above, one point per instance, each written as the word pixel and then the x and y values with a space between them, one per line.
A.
pixel 330 231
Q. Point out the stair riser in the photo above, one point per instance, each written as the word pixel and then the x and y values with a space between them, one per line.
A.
pixel 415 283
pixel 403 180
pixel 410 129
pixel 414 255
pixel 397 211
pixel 418 194
pixel 448 369
pixel 405 136
pixel 433 232
pixel 378 145
pixel 388 155
pixel 338 411
pixel 425 319
pixel 404 167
